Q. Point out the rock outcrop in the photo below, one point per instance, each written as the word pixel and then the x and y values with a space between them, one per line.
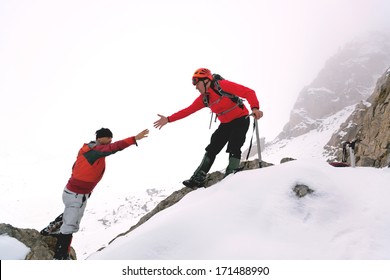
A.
pixel 41 247
pixel 370 125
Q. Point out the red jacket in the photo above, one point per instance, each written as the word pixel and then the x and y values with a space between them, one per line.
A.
pixel 90 164
pixel 221 104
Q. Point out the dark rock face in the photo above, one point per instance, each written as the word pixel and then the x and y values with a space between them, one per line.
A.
pixel 370 125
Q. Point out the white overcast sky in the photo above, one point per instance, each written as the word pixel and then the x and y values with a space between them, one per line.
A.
pixel 68 68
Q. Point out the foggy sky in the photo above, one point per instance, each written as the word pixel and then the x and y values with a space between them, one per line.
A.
pixel 68 68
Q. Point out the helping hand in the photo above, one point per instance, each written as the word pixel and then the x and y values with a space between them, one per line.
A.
pixel 142 134
pixel 161 122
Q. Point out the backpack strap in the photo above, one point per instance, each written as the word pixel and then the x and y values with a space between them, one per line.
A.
pixel 206 100
pixel 217 88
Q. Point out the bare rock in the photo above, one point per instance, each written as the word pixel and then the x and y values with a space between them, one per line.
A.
pixel 302 190
pixel 41 247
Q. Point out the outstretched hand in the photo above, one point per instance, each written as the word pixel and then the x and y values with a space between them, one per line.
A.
pixel 142 134
pixel 161 122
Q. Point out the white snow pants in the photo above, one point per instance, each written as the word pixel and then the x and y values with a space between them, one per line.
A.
pixel 75 204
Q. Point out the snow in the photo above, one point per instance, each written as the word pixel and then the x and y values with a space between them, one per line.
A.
pixel 250 216
pixel 309 145
pixel 12 249
pixel 257 208
pixel 229 211
pixel 256 215
pixel 366 104
pixel 316 91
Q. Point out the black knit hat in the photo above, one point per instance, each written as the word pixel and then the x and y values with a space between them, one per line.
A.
pixel 103 132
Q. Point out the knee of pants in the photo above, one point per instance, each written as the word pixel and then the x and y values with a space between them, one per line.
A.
pixel 71 219
pixel 69 229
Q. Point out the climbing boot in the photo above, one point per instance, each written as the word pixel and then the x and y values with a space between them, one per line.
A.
pixel 233 165
pixel 198 179
pixel 53 229
pixel 63 247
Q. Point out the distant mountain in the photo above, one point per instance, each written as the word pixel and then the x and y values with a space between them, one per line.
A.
pixel 347 79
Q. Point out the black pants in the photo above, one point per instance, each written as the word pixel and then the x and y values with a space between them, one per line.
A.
pixel 233 133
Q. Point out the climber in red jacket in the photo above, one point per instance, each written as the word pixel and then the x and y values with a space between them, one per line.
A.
pixel 87 171
pixel 223 98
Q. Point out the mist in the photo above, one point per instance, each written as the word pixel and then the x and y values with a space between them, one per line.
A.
pixel 70 68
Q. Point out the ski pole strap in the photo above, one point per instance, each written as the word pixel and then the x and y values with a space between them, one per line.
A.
pixel 255 127
pixel 250 144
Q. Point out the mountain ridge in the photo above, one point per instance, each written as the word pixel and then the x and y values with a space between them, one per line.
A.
pixel 346 79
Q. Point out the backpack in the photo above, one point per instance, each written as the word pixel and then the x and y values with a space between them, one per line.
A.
pixel 217 88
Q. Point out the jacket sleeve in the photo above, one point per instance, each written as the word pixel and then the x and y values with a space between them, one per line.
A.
pixel 194 107
pixel 100 151
pixel 241 91
pixel 116 146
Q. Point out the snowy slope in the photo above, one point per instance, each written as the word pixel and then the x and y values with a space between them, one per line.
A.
pixel 256 215
pixel 253 208
pixel 110 214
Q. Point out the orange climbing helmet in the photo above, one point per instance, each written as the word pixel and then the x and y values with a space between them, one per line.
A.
pixel 201 74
